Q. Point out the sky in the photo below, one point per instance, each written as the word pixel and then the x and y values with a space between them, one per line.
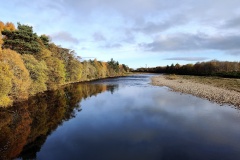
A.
pixel 138 33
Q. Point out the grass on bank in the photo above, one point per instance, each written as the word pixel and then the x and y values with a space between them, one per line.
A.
pixel 226 83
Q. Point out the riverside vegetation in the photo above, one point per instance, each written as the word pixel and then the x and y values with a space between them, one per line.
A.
pixel 211 68
pixel 214 80
pixel 30 64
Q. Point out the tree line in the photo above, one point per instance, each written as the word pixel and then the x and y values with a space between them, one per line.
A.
pixel 211 68
pixel 30 64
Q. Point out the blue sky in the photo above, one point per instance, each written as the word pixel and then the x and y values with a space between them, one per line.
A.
pixel 135 32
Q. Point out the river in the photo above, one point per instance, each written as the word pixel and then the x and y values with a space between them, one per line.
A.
pixel 119 118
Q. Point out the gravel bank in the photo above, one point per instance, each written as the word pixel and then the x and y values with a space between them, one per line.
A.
pixel 215 94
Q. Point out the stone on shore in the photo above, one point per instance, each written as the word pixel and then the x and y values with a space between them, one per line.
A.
pixel 212 93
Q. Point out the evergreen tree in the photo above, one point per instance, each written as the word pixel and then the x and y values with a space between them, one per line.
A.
pixel 45 39
pixel 22 40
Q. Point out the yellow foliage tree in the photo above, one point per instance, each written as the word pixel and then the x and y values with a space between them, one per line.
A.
pixel 21 79
pixel 74 70
pixel 1 41
pixel 43 54
pixel 98 67
pixel 56 69
pixel 89 71
pixel 38 73
pixel 5 84
pixel 1 29
pixel 1 26
pixel 9 26
pixel 105 69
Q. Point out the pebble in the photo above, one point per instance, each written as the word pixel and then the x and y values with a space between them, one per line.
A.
pixel 212 93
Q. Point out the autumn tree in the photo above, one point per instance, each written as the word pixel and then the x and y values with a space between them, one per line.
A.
pixel 72 65
pixel 73 70
pixel 38 72
pixel 56 72
pixel 5 84
pixel 30 64
pixel 210 68
pixel 1 41
pixel 98 67
pixel 113 67
pixel 91 70
pixel 63 54
pixel 21 79
pixel 105 71
pixel 1 29
pixel 9 26
pixel 1 26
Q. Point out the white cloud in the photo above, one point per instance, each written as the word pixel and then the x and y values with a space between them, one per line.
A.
pixel 98 36
pixel 193 42
pixel 64 37
pixel 117 24
pixel 187 58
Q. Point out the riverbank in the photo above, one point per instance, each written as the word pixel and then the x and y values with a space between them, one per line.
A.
pixel 65 85
pixel 201 88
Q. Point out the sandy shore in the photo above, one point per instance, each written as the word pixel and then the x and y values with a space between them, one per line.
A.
pixel 215 94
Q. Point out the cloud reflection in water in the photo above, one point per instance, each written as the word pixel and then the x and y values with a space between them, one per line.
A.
pixel 146 123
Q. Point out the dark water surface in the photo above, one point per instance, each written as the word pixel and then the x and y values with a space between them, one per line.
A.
pixel 121 118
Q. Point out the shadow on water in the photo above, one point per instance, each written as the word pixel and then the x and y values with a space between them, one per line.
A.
pixel 25 126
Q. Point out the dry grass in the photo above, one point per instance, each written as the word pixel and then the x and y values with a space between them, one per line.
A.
pixel 171 77
pixel 226 83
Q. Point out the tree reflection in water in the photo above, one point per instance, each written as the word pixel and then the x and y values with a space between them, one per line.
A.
pixel 25 126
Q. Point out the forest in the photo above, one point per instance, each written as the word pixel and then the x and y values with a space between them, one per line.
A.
pixel 211 68
pixel 31 64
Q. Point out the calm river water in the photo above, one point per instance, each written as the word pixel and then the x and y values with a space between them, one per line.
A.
pixel 119 119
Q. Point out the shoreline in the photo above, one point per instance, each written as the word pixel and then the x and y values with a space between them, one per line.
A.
pixel 62 86
pixel 215 94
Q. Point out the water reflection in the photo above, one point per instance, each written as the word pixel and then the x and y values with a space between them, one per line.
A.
pixel 130 119
pixel 25 127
